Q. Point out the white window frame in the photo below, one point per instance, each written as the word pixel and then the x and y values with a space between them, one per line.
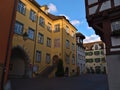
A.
pixel 40 38
pixel 18 28
pixel 42 21
pixel 21 7
pixel 48 42
pixel 32 15
pixel 48 58
pixel 67 29
pixel 38 56
pixel 67 43
pixel 49 27
pixel 31 33
pixel 57 28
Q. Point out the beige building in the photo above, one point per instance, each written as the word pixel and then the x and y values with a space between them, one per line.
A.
pixel 95 57
pixel 40 37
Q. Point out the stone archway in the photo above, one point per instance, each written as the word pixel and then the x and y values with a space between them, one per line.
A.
pixel 19 63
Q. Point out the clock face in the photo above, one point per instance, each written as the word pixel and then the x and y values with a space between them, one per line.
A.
pixel 98 6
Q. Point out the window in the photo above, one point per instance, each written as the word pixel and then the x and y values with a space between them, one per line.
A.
pixel 18 28
pixel 49 27
pixel 38 56
pixel 21 7
pixel 31 33
pixel 97 53
pixel 48 42
pixel 67 59
pixel 32 15
pixel 73 47
pixel 81 41
pixel 67 44
pixel 73 59
pixel 67 29
pixel 40 38
pixel 57 43
pixel 57 28
pixel 72 34
pixel 115 25
pixel 42 21
pixel 48 58
pixel 88 53
pixel 97 60
pixel 96 47
pixel 89 60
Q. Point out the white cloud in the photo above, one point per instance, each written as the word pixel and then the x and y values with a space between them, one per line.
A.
pixel 52 8
pixel 91 38
pixel 89 27
pixel 67 17
pixel 76 22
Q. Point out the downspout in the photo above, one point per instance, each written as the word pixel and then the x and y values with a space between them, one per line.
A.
pixel 35 43
pixel 62 45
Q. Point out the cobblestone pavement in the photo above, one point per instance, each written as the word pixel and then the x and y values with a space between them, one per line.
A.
pixel 84 82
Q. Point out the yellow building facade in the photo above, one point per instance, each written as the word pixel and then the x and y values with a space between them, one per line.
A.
pixel 47 36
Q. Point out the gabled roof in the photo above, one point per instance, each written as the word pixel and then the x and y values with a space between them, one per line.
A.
pixel 88 46
pixel 53 17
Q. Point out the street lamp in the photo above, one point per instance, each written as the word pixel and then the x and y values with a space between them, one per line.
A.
pixel 25 36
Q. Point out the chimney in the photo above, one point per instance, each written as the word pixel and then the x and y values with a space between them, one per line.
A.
pixel 45 8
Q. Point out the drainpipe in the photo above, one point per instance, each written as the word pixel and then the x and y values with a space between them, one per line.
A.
pixel 35 42
pixel 62 44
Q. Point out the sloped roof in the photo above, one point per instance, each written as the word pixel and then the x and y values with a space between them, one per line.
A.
pixel 35 3
pixel 88 46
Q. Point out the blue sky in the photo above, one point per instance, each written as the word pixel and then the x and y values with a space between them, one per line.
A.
pixel 74 12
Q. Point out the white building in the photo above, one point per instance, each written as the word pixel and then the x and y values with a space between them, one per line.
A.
pixel 95 57
pixel 80 53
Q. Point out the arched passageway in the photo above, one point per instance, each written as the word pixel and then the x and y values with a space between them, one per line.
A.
pixel 19 63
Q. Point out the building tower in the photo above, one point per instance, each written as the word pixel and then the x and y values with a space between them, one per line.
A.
pixel 80 53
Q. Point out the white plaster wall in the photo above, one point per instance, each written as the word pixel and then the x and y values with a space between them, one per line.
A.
pixel 113 63
pixel 92 1
pixel 115 41
pixel 117 2
pixel 106 5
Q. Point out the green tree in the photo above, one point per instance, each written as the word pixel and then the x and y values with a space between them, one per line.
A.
pixel 60 69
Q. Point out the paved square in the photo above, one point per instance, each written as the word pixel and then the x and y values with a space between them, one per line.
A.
pixel 84 82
